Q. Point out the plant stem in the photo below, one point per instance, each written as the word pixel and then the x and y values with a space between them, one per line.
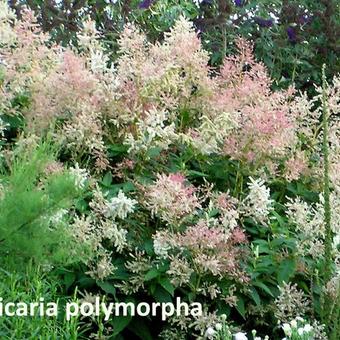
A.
pixel 224 40
pixel 327 207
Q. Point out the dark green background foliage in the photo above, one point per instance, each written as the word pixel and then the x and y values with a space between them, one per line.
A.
pixel 293 38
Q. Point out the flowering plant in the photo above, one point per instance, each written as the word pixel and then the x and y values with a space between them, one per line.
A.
pixel 188 180
pixel 298 329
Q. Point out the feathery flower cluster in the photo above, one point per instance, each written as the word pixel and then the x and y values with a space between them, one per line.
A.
pixel 258 203
pixel 311 131
pixel 295 166
pixel 112 232
pixel 229 210
pixel 7 18
pixel 298 329
pixel 101 226
pixel 59 86
pixel 102 267
pixel 162 244
pixel 152 131
pixel 332 287
pixel 157 95
pixel 119 206
pixel 3 127
pixel 204 321
pixel 162 98
pixel 308 221
pixel 309 226
pixel 180 271
pixel 171 198
pixel 81 176
pixel 84 230
pixel 290 302
pixel 211 249
pixel 266 126
pixel 206 249
pixel 138 266
pixel 234 113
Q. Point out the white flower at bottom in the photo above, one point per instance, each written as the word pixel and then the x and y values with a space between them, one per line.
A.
pixel 293 323
pixel 209 333
pixel 287 329
pixel 308 328
pixel 218 326
pixel 223 317
pixel 240 336
pixel 300 331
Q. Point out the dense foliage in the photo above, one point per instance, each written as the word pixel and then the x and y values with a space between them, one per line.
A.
pixel 161 175
pixel 293 38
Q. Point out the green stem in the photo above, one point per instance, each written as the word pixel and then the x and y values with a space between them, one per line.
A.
pixel 327 207
pixel 224 40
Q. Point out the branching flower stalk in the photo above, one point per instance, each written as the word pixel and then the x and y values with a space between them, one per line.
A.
pixel 327 207
pixel 330 318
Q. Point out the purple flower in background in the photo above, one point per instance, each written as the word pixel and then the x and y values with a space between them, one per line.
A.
pixel 291 34
pixel 238 3
pixel 264 22
pixel 305 19
pixel 145 4
pixel 206 2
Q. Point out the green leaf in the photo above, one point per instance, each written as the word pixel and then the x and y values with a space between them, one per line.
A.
pixel 286 270
pixel 154 152
pixel 148 246
pixel 161 295
pixel 86 282
pixel 107 180
pixel 119 323
pixel 281 221
pixel 107 287
pixel 255 296
pixel 69 278
pixel 240 307
pixel 263 287
pixel 138 327
pixel 117 149
pixel 167 285
pixel 151 274
pixel 126 187
pixel 194 173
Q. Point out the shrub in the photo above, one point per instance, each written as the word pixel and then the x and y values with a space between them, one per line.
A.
pixel 197 182
pixel 36 192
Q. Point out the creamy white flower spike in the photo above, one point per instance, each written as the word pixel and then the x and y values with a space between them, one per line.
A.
pixel 80 176
pixel 210 332
pixel 308 328
pixel 7 16
pixel 119 206
pixel 240 336
pixel 218 326
pixel 287 329
pixel 258 203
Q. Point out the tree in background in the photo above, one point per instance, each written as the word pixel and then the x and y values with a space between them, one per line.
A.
pixel 293 38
